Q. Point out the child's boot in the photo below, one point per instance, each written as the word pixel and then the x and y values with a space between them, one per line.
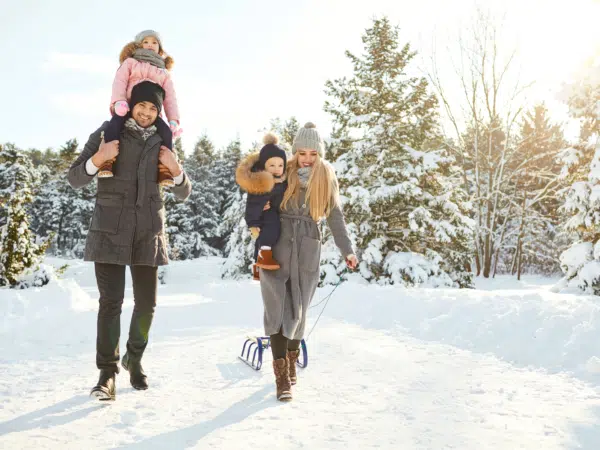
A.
pixel 164 176
pixel 265 260
pixel 106 170
pixel 255 273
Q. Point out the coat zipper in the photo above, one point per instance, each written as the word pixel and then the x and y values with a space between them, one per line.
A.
pixel 135 209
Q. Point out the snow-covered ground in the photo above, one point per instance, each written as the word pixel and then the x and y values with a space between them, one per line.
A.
pixel 510 365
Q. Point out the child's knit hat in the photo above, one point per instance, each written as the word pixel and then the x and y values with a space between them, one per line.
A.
pixel 270 150
pixel 139 38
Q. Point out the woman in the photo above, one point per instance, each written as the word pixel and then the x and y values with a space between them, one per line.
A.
pixel 312 194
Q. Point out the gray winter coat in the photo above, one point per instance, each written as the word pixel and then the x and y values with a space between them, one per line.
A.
pixel 288 292
pixel 127 226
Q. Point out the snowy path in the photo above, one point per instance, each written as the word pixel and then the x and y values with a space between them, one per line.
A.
pixel 397 369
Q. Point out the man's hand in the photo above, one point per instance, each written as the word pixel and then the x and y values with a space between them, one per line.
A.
pixel 351 261
pixel 106 152
pixel 169 159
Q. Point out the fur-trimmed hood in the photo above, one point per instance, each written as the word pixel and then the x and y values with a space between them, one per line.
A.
pixel 130 48
pixel 253 182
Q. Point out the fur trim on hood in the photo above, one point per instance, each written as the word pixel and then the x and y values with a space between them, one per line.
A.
pixel 128 50
pixel 256 183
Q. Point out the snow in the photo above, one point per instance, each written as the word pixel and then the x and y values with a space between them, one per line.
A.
pixel 508 365
pixel 415 267
pixel 575 257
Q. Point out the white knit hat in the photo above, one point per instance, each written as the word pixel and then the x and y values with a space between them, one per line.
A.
pixel 147 33
pixel 308 137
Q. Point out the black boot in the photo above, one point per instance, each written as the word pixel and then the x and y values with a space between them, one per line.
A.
pixel 105 389
pixel 137 377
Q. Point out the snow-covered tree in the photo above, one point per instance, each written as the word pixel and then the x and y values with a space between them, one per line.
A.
pixel 506 157
pixel 228 193
pixel 240 246
pixel 57 208
pixel 581 262
pixel 15 170
pixel 191 224
pixel 178 149
pixel 19 248
pixel 399 193
pixel 286 130
pixel 531 238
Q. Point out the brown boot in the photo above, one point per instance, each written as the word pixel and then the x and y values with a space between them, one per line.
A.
pixel 106 169
pixel 292 357
pixel 164 176
pixel 282 380
pixel 266 261
pixel 255 273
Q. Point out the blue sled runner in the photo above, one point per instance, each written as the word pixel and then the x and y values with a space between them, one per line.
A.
pixel 257 345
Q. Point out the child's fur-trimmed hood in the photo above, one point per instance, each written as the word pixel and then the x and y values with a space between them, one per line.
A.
pixel 257 183
pixel 128 50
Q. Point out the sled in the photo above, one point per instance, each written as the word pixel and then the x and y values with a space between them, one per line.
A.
pixel 257 345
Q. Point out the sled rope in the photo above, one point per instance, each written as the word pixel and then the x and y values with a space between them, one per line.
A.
pixel 326 300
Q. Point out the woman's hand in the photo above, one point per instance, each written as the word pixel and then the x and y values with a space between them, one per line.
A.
pixel 169 159
pixel 254 231
pixel 106 152
pixel 351 261
pixel 267 206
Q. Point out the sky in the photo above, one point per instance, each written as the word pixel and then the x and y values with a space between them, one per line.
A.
pixel 239 64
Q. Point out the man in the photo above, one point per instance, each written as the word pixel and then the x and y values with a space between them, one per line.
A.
pixel 127 229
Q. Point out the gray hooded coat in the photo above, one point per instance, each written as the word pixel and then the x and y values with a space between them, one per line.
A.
pixel 127 226
pixel 288 292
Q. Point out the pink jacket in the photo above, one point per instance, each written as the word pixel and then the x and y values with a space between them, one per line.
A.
pixel 133 72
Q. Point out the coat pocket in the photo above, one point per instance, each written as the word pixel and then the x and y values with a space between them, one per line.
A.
pixel 309 254
pixel 157 211
pixel 107 213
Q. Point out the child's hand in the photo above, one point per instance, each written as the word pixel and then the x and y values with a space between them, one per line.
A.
pixel 351 261
pixel 121 108
pixel 254 231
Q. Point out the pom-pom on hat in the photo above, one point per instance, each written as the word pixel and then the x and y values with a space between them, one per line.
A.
pixel 271 150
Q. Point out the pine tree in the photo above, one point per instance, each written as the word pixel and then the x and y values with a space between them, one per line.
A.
pixel 58 209
pixel 204 152
pixel 581 262
pixel 286 131
pixel 18 247
pixel 178 149
pixel 176 211
pixel 192 225
pixel 399 194
pixel 240 247
pixel 229 192
pixel 15 170
pixel 532 236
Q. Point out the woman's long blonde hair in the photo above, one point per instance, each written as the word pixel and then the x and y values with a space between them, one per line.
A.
pixel 322 191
